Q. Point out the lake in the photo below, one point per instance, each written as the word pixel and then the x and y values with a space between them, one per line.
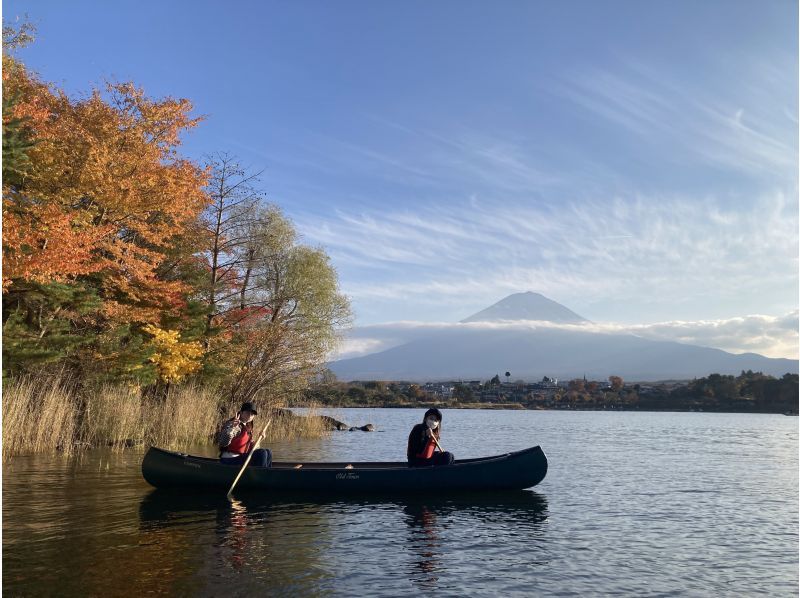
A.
pixel 645 504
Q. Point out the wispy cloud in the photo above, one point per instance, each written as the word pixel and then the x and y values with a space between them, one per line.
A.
pixel 667 248
pixel 687 211
pixel 746 129
pixel 468 154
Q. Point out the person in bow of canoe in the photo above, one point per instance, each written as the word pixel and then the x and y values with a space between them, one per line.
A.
pixel 236 437
pixel 422 442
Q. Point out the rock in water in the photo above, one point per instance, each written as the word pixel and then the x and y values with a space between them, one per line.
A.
pixel 334 424
pixel 365 428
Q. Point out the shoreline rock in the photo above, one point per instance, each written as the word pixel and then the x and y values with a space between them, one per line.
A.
pixel 331 423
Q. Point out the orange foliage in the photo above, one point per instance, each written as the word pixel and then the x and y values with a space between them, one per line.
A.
pixel 105 195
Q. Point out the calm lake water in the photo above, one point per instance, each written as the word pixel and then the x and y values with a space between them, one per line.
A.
pixel 645 504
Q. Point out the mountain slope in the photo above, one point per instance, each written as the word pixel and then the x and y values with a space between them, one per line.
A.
pixel 532 354
pixel 479 352
pixel 526 306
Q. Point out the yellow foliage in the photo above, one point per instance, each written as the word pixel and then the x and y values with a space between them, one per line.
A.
pixel 173 358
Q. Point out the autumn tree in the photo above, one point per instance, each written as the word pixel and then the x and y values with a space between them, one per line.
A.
pixel 231 239
pixel 415 392
pixel 577 385
pixel 273 305
pixel 616 383
pixel 173 358
pixel 293 310
pixel 97 197
pixel 134 263
pixel 326 377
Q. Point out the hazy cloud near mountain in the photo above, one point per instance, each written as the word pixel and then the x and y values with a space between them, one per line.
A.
pixel 767 335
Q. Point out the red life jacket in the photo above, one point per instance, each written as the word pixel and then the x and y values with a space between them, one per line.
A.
pixel 427 451
pixel 241 443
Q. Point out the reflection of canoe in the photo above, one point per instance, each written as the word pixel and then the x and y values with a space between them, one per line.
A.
pixel 173 507
pixel 162 503
pixel 511 471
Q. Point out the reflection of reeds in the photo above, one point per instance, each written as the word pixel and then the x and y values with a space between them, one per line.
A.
pixel 43 414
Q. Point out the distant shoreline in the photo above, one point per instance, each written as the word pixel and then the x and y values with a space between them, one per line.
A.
pixel 750 392
pixel 521 407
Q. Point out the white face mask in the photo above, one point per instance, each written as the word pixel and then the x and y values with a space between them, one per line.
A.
pixel 431 423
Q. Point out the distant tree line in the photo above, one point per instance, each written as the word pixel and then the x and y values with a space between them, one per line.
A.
pixel 748 392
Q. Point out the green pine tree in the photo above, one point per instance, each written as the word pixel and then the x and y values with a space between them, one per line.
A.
pixel 45 323
pixel 17 142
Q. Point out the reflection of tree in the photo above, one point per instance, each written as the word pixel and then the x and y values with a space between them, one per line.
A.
pixel 80 537
pixel 256 543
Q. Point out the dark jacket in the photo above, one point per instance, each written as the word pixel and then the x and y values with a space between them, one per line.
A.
pixel 417 440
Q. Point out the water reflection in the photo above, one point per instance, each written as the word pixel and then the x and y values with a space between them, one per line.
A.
pixel 302 543
pixel 429 519
pixel 236 540
pixel 245 543
pixel 91 526
pixel 424 544
pixel 166 508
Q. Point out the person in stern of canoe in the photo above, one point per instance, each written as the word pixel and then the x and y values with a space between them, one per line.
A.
pixel 236 437
pixel 423 441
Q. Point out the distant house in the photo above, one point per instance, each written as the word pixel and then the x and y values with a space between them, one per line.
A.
pixel 545 384
pixel 444 391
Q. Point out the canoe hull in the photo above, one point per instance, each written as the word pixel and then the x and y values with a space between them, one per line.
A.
pixel 512 471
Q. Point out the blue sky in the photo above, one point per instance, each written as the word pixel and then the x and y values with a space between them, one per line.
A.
pixel 634 161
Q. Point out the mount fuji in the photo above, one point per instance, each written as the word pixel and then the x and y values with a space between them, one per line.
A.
pixel 532 336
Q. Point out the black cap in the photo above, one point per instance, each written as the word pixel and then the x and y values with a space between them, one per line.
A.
pixel 434 412
pixel 248 407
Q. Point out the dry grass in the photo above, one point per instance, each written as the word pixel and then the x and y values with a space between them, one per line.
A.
pixel 112 415
pixel 189 415
pixel 297 426
pixel 39 415
pixel 284 424
pixel 46 414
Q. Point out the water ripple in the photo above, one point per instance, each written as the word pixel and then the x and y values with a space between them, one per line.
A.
pixel 634 504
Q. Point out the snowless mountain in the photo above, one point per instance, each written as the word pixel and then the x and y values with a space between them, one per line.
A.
pixel 531 352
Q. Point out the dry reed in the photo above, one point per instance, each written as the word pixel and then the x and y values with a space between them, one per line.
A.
pixel 39 415
pixel 45 414
pixel 297 426
pixel 112 415
pixel 284 425
pixel 188 415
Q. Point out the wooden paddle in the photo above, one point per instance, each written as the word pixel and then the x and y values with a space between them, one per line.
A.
pixel 249 456
pixel 439 446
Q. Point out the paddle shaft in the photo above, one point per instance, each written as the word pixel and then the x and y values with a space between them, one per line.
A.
pixel 249 456
pixel 439 446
